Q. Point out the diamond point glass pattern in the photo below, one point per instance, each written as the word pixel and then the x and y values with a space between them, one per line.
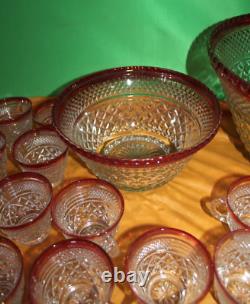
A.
pixel 71 272
pixel 136 127
pixel 178 266
pixel 229 52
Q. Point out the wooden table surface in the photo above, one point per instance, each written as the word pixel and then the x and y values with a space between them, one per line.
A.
pixel 176 204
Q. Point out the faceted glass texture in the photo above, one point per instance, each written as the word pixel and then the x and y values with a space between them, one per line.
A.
pixel 232 268
pixel 230 44
pixel 136 127
pixel 71 272
pixel 178 267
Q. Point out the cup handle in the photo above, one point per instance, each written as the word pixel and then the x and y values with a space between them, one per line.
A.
pixel 217 208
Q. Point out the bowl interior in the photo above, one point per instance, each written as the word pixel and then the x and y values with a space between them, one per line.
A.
pixel 136 116
pixel 232 50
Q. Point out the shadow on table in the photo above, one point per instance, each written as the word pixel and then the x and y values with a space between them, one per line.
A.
pixel 229 128
pixel 124 242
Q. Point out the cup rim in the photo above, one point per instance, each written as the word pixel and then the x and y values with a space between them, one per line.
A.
pixel 231 188
pixel 61 246
pixel 171 231
pixel 34 133
pixel 19 117
pixel 222 29
pixel 133 71
pixel 42 106
pixel 20 257
pixel 56 200
pixel 217 248
pixel 34 177
pixel 4 142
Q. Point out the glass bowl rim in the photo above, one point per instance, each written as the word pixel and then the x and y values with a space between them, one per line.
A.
pixel 218 33
pixel 158 231
pixel 132 71
pixel 86 181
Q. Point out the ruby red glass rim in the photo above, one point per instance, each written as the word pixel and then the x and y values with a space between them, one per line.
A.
pixel 20 257
pixel 86 181
pixel 54 249
pixel 161 231
pixel 33 177
pixel 136 72
pixel 34 133
pixel 18 100
pixel 232 187
pixel 219 32
pixel 2 148
pixel 43 107
pixel 219 244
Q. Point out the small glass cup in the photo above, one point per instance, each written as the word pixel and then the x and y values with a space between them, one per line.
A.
pixel 15 118
pixel 234 209
pixel 71 272
pixel 3 158
pixel 177 267
pixel 89 209
pixel 232 268
pixel 25 208
pixel 43 113
pixel 42 151
pixel 11 273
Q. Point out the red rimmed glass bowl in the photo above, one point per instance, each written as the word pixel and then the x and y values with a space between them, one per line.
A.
pixel 177 267
pixel 11 273
pixel 42 151
pixel 71 272
pixel 89 209
pixel 15 118
pixel 136 127
pixel 3 159
pixel 25 215
pixel 232 268
pixel 43 113
pixel 229 53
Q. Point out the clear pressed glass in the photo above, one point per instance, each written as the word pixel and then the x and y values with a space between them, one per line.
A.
pixel 179 267
pixel 71 272
pixel 42 151
pixel 89 209
pixel 229 52
pixel 136 127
